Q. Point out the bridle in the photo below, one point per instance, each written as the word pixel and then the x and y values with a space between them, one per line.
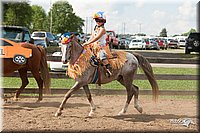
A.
pixel 71 40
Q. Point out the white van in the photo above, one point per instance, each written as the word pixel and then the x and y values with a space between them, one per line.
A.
pixel 45 37
pixel 137 44
pixel 181 40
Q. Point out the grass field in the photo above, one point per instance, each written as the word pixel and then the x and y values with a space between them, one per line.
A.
pixel 142 84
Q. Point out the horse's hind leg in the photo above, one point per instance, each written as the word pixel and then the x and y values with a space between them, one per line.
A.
pixel 24 79
pixel 131 90
pixel 39 81
pixel 67 95
pixel 93 107
pixel 128 84
pixel 136 93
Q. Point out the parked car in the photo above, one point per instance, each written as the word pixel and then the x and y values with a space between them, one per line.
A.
pixel 182 42
pixel 192 43
pixel 40 42
pixel 127 42
pixel 173 44
pixel 162 43
pixel 57 66
pixel 168 40
pixel 44 36
pixel 147 41
pixel 151 44
pixel 112 39
pixel 11 49
pixel 122 43
pixel 154 45
pixel 16 33
pixel 137 44
pixel 57 38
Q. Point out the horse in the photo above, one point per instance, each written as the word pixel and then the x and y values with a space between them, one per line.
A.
pixel 79 68
pixel 36 63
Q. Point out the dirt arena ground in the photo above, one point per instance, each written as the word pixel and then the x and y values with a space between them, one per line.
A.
pixel 26 115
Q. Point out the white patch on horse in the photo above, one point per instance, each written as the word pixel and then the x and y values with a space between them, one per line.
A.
pixel 63 50
pixel 93 108
pixel 124 109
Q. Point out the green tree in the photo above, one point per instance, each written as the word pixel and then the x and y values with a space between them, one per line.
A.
pixel 63 18
pixel 17 13
pixel 38 18
pixel 190 31
pixel 163 33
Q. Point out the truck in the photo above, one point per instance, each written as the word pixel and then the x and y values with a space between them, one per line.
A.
pixel 10 47
pixel 17 34
pixel 112 39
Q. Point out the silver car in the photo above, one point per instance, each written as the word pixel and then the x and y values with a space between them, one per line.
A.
pixel 44 36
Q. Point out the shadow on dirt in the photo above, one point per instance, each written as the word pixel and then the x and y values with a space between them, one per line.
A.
pixel 148 117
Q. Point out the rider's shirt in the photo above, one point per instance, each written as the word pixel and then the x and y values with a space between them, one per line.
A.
pixel 102 40
pixel 100 47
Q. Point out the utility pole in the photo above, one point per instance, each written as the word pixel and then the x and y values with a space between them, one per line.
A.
pixel 198 16
pixel 86 25
pixel 123 28
pixel 51 16
pixel 140 27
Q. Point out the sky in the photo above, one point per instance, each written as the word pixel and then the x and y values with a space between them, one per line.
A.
pixel 135 16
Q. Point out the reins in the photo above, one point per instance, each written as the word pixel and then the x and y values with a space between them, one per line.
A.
pixel 72 40
pixel 78 57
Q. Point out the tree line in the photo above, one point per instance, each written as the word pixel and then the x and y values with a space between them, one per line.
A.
pixel 59 19
pixel 163 32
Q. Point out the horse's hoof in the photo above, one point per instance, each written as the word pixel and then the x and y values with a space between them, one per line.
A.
pixel 58 114
pixel 91 114
pixel 121 113
pixel 139 109
pixel 15 99
pixel 38 101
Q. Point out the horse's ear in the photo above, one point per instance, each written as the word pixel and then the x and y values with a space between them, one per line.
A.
pixel 72 35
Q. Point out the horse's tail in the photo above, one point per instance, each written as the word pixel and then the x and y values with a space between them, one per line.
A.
pixel 146 66
pixel 45 70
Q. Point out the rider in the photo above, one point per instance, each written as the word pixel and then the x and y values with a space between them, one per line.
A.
pixel 98 41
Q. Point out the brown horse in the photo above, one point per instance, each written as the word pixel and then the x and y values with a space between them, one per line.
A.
pixel 35 64
pixel 124 70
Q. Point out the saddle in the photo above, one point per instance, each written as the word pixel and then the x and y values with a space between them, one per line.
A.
pixel 95 62
pixel 114 55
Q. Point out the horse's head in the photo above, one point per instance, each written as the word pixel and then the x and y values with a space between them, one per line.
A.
pixel 66 47
pixel 70 48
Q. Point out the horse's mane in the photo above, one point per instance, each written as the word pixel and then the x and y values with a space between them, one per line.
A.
pixel 80 65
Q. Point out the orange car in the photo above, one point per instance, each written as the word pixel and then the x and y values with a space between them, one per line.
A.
pixel 10 49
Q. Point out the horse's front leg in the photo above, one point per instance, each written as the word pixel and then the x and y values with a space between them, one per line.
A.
pixel 67 95
pixel 89 97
